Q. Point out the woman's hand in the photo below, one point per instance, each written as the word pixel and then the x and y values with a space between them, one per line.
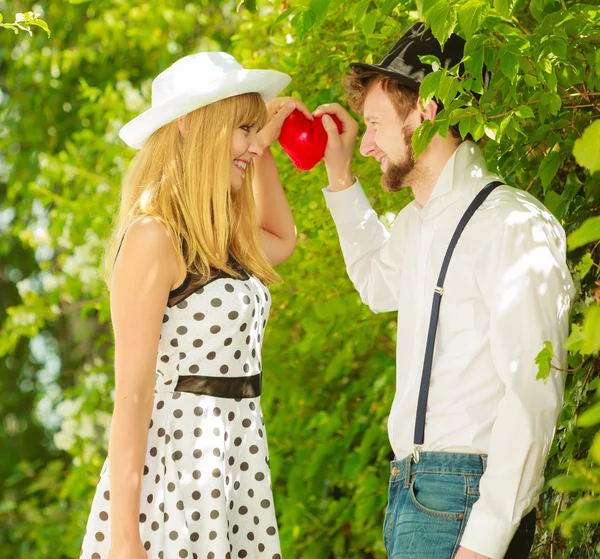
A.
pixel 278 110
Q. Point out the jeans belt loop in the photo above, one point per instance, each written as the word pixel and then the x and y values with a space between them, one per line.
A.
pixel 408 462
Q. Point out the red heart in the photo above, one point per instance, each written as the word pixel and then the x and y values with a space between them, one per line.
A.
pixel 305 140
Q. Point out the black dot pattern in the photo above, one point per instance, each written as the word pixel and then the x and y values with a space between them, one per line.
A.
pixel 206 484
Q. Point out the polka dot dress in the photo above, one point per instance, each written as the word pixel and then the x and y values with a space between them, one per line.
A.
pixel 206 491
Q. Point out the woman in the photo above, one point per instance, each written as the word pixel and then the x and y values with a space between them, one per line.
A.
pixel 188 265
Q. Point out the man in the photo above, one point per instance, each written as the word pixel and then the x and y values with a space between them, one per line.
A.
pixel 469 489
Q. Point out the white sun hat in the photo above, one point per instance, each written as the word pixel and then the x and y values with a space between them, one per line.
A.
pixel 193 82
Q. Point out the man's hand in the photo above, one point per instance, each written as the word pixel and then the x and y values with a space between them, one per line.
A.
pixel 464 553
pixel 340 147
pixel 278 110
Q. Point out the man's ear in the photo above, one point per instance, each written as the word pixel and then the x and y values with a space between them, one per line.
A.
pixel 430 110
pixel 181 124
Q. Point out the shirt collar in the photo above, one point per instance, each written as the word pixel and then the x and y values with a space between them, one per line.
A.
pixel 465 164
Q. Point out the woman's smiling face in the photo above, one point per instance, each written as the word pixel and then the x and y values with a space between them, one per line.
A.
pixel 244 146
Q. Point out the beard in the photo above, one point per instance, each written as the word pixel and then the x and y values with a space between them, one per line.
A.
pixel 395 177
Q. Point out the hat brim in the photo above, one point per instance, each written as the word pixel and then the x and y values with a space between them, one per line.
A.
pixel 268 83
pixel 401 78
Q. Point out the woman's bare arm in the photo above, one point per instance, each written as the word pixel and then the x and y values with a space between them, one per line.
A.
pixel 144 272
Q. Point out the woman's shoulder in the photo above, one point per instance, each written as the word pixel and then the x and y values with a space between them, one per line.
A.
pixel 147 238
pixel 148 233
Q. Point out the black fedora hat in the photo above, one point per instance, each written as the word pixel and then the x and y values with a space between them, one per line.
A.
pixel 402 62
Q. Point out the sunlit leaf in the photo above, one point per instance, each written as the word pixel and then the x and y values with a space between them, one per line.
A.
pixel 589 232
pixel 587 148
pixel 544 361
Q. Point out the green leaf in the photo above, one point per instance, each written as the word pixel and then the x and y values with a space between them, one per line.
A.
pixel 585 265
pixel 591 330
pixel 442 17
pixel 389 5
pixel 41 23
pixel 423 6
pixel 491 130
pixel 477 129
pixel 555 203
pixel 569 484
pixel 360 10
pixel 283 15
pixel 530 80
pixel 443 123
pixel 250 5
pixel 303 23
pixel 470 16
pixel 525 111
pixel 434 61
pixel 544 361
pixel 504 7
pixel 448 89
pixel 369 23
pixel 422 136
pixel 587 509
pixel 429 86
pixel 549 168
pixel 589 232
pixel 575 339
pixel 557 46
pixel 595 449
pixel 465 125
pixel 587 148
pixel 536 7
pixel 320 7
pixel 555 103
pixel 509 64
pixel 590 417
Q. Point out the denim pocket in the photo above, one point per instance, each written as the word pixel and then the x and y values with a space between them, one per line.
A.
pixel 439 495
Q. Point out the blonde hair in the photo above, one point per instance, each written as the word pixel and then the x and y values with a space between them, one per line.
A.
pixel 184 182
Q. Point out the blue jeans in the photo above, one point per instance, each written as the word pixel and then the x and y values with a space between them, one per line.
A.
pixel 429 504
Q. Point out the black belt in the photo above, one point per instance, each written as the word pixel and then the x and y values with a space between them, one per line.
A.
pixel 435 313
pixel 233 387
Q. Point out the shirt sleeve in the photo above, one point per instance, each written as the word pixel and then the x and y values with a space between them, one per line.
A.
pixel 528 290
pixel 372 262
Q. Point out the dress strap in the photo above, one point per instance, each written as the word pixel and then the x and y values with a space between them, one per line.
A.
pixel 119 249
pixel 182 287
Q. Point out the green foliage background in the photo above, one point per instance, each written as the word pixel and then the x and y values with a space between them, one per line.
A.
pixel 329 362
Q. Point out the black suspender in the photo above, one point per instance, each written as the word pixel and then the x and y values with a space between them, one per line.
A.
pixel 435 313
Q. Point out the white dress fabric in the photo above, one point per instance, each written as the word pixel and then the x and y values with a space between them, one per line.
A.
pixel 206 491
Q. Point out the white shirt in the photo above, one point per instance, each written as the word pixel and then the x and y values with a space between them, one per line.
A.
pixel 507 291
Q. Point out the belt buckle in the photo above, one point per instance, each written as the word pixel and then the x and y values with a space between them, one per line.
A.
pixel 416 453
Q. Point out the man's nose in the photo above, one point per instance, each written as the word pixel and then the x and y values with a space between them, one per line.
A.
pixel 367 144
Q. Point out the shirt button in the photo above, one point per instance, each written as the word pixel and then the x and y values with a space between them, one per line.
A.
pixel 395 471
